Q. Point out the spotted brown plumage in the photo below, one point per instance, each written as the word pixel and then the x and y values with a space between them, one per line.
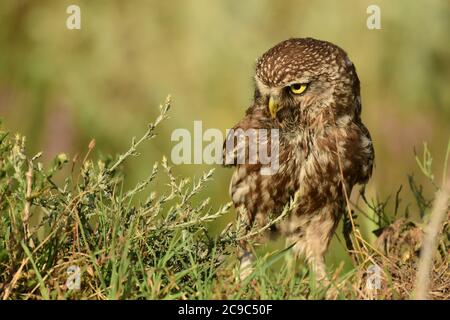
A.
pixel 324 148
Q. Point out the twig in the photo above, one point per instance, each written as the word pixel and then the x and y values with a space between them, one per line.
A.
pixel 15 278
pixel 206 218
pixel 433 228
pixel 27 207
pixel 29 200
pixel 447 155
pixel 356 232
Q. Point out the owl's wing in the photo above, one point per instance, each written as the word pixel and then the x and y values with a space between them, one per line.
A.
pixel 244 137
pixel 368 154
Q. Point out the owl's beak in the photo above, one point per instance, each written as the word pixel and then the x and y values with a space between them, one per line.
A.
pixel 273 106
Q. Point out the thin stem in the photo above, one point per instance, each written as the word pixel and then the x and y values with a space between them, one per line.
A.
pixel 438 214
pixel 148 135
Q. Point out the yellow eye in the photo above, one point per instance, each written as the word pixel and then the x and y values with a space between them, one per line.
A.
pixel 298 88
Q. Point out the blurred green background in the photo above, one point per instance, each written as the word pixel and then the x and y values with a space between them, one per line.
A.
pixel 61 87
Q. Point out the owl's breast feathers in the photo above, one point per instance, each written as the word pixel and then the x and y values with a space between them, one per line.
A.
pixel 312 164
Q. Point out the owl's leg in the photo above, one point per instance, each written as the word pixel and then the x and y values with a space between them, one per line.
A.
pixel 313 255
pixel 244 252
pixel 318 234
pixel 312 236
pixel 246 259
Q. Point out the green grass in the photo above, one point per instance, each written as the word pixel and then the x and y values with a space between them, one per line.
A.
pixel 77 213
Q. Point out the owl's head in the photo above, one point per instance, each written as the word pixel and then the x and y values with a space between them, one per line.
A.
pixel 306 77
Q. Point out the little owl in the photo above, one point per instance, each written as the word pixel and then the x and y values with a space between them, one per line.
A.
pixel 309 90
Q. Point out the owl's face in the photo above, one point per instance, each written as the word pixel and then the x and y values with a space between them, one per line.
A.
pixel 299 79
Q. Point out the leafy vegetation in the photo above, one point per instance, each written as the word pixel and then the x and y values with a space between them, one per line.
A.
pixel 77 212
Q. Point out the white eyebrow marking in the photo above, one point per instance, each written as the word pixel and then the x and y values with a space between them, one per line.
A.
pixel 265 90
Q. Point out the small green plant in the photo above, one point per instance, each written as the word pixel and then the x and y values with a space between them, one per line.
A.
pixel 158 248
